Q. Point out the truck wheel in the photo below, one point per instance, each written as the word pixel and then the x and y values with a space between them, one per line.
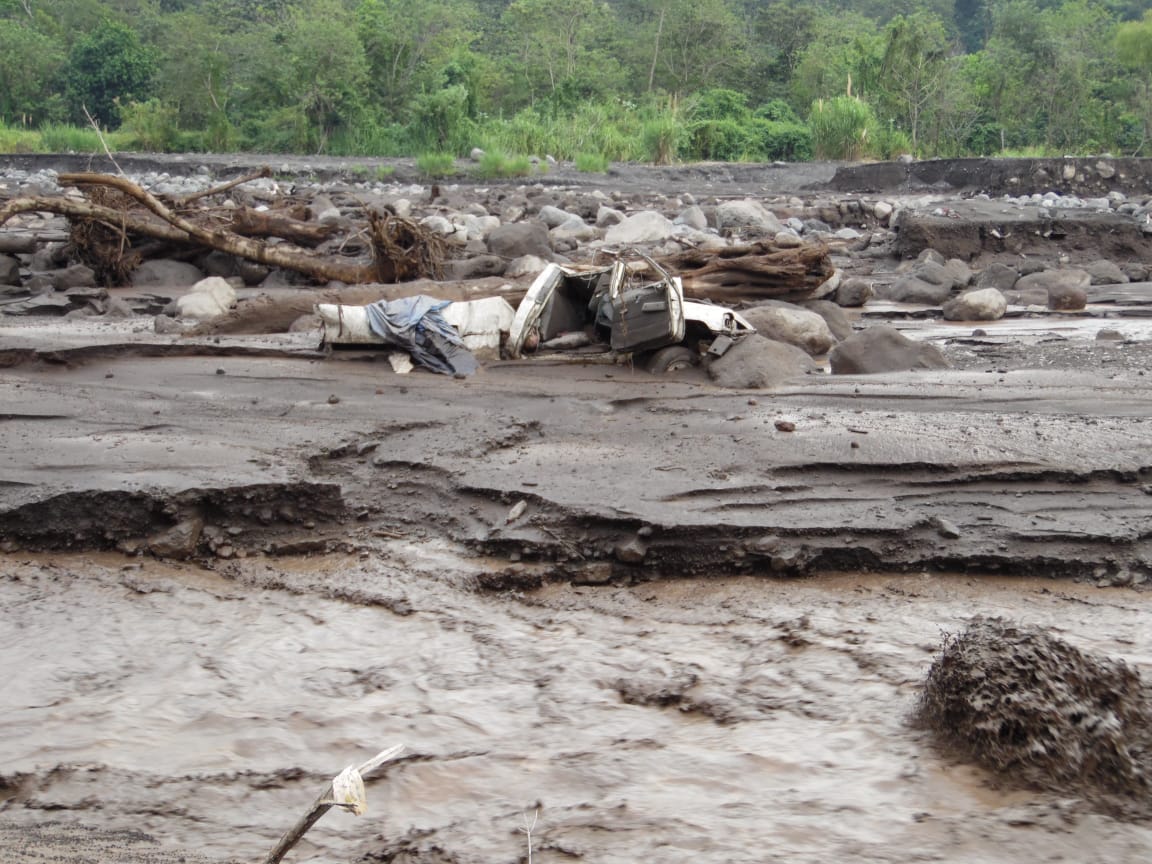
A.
pixel 672 359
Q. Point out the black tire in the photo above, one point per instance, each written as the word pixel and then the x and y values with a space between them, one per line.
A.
pixel 672 359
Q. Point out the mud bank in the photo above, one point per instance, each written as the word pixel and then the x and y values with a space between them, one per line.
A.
pixel 1080 175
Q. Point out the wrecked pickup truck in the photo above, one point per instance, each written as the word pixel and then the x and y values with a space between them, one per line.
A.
pixel 625 310
pixel 584 315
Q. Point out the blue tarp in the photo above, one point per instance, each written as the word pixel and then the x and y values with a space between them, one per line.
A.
pixel 416 325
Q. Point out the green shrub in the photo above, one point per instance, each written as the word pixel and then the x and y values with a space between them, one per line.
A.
pixel 662 140
pixel 717 140
pixel 843 128
pixel 778 111
pixel 152 125
pixel 436 164
pixel 891 143
pixel 772 141
pixel 16 139
pixel 720 104
pixel 495 164
pixel 591 163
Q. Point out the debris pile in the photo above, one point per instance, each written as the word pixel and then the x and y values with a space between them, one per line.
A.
pixel 1043 714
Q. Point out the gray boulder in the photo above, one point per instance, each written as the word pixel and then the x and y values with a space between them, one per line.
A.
pixel 554 217
pixel 854 292
pixel 163 273
pixel 929 283
pixel 525 265
pixel 693 217
pixel 9 270
pixel 800 327
pixel 748 216
pixel 833 315
pixel 474 268
pixel 606 217
pixel 640 228
pixel 883 349
pixel 982 304
pixel 519 239
pixel 76 276
pixel 755 363
pixel 1105 273
pixel 999 276
pixel 1066 290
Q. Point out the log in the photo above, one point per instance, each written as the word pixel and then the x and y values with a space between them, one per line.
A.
pixel 255 223
pixel 748 273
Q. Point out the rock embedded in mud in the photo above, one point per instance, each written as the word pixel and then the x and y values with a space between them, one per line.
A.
pixel 756 362
pixel 786 323
pixel 645 227
pixel 883 349
pixel 1041 713
pixel 520 239
pixel 633 551
pixel 179 541
pixel 747 216
pixel 854 292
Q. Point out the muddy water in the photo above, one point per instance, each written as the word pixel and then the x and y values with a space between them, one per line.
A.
pixel 729 720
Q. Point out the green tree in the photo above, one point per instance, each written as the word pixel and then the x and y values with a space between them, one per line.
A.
pixel 408 43
pixel 912 71
pixel 684 45
pixel 29 64
pixel 846 54
pixel 1133 44
pixel 107 65
pixel 560 43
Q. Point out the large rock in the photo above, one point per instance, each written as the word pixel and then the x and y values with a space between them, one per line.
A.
pixel 76 276
pixel 554 217
pixel 800 327
pixel 999 276
pixel 833 315
pixel 755 363
pixel 163 273
pixel 748 216
pixel 883 349
pixel 1067 290
pixel 525 265
pixel 854 292
pixel 693 217
pixel 474 268
pixel 1105 273
pixel 209 298
pixel 929 283
pixel 9 270
pixel 982 304
pixel 640 228
pixel 522 238
pixel 606 217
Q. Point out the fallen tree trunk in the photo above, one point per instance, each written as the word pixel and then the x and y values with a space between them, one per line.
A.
pixel 275 314
pixel 754 272
pixel 254 223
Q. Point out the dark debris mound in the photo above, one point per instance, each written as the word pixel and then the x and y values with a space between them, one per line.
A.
pixel 1043 714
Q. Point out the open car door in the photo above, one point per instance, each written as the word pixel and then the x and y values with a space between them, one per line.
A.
pixel 646 314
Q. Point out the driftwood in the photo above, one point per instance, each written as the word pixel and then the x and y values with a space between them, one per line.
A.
pixel 401 249
pixel 255 223
pixel 753 272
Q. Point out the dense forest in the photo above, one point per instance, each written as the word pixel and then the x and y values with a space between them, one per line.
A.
pixel 645 80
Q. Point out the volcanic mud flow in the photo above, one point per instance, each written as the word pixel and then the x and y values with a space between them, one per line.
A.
pixel 154 708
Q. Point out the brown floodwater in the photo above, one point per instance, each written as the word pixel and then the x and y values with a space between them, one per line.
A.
pixel 720 720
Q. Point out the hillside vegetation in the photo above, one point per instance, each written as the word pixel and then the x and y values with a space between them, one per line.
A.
pixel 582 80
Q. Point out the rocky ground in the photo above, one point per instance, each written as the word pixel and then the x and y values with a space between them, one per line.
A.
pixel 564 566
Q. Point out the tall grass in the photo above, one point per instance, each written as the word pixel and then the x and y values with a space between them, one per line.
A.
pixel 843 128
pixel 436 164
pixel 495 164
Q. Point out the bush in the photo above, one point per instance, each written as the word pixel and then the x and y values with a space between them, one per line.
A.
pixel 777 111
pixel 591 163
pixel 440 119
pixel 717 140
pixel 782 141
pixel 436 164
pixel 662 139
pixel 719 104
pixel 842 128
pixel 494 164
pixel 152 125
pixel 890 143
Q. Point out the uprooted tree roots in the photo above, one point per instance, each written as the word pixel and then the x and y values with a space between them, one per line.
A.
pixel 109 224
pixel 1042 714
